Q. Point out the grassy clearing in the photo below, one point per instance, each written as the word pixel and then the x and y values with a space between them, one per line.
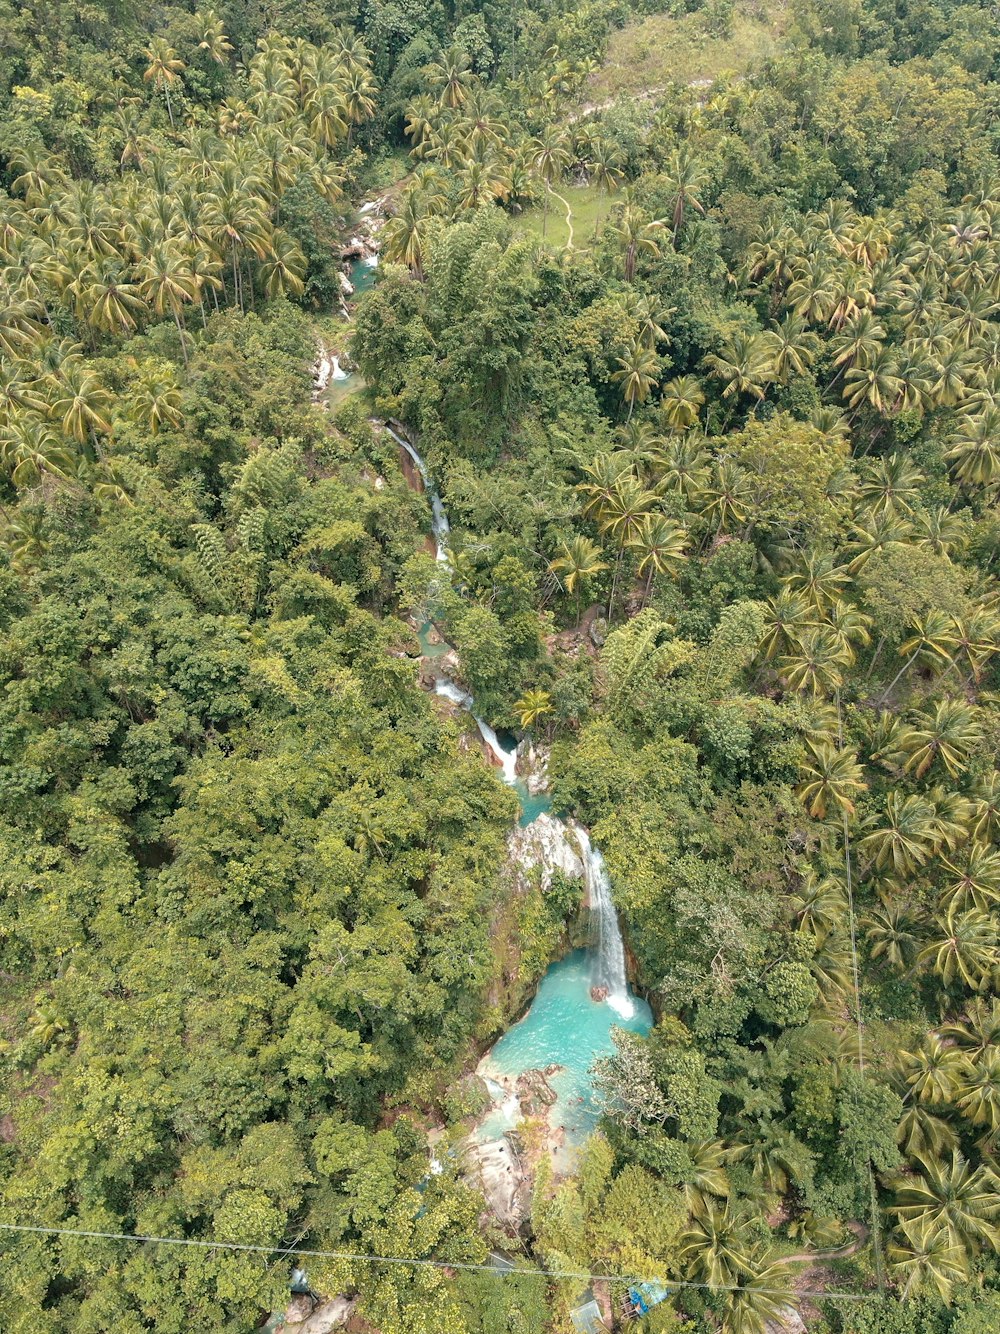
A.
pixel 586 205
pixel 659 50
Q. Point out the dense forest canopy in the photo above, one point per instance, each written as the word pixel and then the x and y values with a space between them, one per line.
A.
pixel 708 377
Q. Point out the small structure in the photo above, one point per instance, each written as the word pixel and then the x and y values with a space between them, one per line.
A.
pixel 641 1298
pixel 588 1319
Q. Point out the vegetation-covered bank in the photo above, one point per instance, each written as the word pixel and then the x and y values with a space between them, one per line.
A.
pixel 249 877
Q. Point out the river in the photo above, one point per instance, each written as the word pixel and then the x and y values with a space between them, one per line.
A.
pixel 581 997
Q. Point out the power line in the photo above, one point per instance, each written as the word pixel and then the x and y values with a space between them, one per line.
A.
pixel 361 1257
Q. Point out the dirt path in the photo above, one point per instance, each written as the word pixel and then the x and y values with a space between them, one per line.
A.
pixel 841 1253
pixel 569 215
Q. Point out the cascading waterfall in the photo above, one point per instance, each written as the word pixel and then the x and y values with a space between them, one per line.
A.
pixel 608 968
pixel 608 950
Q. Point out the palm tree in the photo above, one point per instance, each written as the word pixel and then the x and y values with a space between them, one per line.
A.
pixel 790 348
pixel 637 373
pixel 550 160
pixel 743 366
pixel 637 235
pixel 975 451
pixel 405 234
pixel 814 664
pixel 533 706
pixel 925 1255
pixel 965 948
pixel 978 1093
pixel 929 645
pixel 283 266
pixel 979 1030
pixel 786 616
pixel 684 178
pixel 358 91
pixel 681 401
pixel 728 495
pixel 961 1200
pixel 891 934
pixel 760 1299
pixel 950 735
pixel 604 166
pixel 578 562
pixel 451 75
pixel 154 398
pixel 716 1247
pixel 79 402
pixel 30 450
pixel 932 1072
pixel 622 516
pixel 818 906
pixel 829 777
pixel 907 837
pixel 214 41
pixel 660 543
pixel 164 69
pixel 167 284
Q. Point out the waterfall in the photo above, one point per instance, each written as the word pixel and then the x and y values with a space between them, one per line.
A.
pixel 337 371
pixel 608 947
pixel 439 521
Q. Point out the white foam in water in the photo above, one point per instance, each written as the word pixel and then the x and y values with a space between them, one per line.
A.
pixel 609 948
pixel 371 261
pixel 337 372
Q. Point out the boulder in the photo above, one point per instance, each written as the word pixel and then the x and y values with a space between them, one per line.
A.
pixel 324 1319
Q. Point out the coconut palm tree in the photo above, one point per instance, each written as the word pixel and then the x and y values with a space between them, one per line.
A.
pixel 964 948
pixel 818 906
pixel 31 450
pixel 578 562
pixel 952 1195
pixel 742 365
pixel 622 516
pixel 787 615
pixel 79 402
pixel 907 835
pixel 604 167
pixel 164 69
pixel 636 373
pixel 660 543
pixel 716 1247
pixel 681 401
pixel 948 735
pixel 790 348
pixel 550 160
pixel 975 450
pixel 933 1072
pixel 814 664
pixel 532 707
pixel 685 177
pixel 637 234
pixel 923 1255
pixel 891 933
pixel 978 1091
pixel 829 777
pixel 451 75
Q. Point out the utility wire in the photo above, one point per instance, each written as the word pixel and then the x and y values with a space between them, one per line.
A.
pixel 586 1275
pixel 873 1196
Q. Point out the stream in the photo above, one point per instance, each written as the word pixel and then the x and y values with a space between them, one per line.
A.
pixel 581 997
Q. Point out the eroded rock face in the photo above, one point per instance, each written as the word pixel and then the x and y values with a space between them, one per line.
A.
pixel 495 1167
pixel 548 844
pixel 324 1319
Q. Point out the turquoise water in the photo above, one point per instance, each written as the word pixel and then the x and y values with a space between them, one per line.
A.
pixel 563 1027
pixel 362 277
pixel 533 804
pixel 427 649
